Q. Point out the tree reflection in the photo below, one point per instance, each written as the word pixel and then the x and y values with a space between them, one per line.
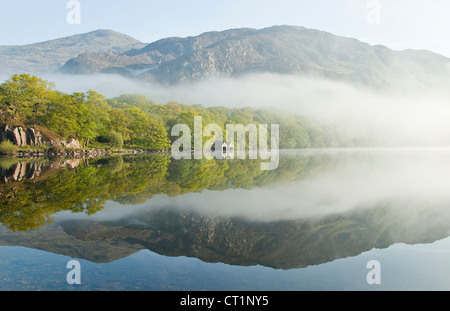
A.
pixel 32 191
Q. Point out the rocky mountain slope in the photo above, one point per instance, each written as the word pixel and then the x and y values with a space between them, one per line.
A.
pixel 289 50
pixel 49 56
pixel 278 49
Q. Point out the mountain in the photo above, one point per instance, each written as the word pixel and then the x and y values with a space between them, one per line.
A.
pixel 49 56
pixel 289 50
pixel 278 49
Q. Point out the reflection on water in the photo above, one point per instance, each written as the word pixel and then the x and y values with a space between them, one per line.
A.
pixel 319 206
pixel 32 192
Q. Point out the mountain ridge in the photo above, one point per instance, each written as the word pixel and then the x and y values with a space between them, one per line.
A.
pixel 279 49
pixel 50 55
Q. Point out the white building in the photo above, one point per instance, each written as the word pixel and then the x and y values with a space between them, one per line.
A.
pixel 225 150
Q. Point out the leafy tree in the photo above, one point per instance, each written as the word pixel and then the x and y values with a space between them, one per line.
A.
pixel 62 114
pixel 115 140
pixel 119 121
pixel 184 118
pixel 145 131
pixel 99 109
pixel 24 95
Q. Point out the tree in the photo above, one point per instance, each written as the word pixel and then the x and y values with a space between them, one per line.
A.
pixel 118 122
pixel 184 118
pixel 85 119
pixel 62 114
pixel 145 131
pixel 24 95
pixel 99 109
pixel 115 140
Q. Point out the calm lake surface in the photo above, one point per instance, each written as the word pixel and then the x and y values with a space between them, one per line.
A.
pixel 149 222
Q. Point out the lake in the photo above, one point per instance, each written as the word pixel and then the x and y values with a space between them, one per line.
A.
pixel 325 219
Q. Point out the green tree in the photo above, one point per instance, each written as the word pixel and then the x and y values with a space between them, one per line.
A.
pixel 184 118
pixel 24 95
pixel 118 122
pixel 62 114
pixel 145 131
pixel 115 140
pixel 99 109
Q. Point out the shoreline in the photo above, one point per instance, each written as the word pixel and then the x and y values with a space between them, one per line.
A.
pixel 75 153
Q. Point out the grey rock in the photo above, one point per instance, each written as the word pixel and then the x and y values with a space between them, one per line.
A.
pixel 15 135
pixel 34 138
pixel 72 143
pixel 21 136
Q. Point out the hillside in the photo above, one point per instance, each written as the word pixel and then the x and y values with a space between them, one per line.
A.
pixel 278 49
pixel 289 50
pixel 50 55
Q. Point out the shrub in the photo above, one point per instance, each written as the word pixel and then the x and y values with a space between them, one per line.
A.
pixel 7 147
pixel 115 140
pixel 56 148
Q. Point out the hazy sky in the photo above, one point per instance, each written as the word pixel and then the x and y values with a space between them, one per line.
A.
pixel 418 24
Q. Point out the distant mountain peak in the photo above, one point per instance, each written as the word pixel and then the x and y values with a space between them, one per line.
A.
pixel 49 56
pixel 280 49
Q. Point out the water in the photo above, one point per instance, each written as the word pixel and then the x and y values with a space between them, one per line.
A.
pixel 148 222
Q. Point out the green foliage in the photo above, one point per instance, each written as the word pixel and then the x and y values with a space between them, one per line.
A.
pixel 24 96
pixel 29 204
pixel 115 140
pixel 7 147
pixel 146 132
pixel 7 162
pixel 28 100
pixel 90 117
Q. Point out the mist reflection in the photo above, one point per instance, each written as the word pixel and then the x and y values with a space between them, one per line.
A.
pixel 319 205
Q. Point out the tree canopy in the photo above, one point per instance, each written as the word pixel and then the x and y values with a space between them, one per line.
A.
pixel 27 100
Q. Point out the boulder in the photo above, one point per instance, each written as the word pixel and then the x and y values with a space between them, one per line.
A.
pixel 34 138
pixel 72 163
pixel 23 136
pixel 15 136
pixel 72 143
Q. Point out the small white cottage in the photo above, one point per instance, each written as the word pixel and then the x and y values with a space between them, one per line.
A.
pixel 224 150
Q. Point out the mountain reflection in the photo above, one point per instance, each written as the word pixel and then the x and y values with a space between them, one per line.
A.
pixel 316 207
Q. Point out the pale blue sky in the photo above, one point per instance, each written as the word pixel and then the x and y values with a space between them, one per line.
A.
pixel 419 24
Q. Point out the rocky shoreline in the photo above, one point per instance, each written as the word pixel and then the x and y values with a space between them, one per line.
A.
pixel 46 147
pixel 76 153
